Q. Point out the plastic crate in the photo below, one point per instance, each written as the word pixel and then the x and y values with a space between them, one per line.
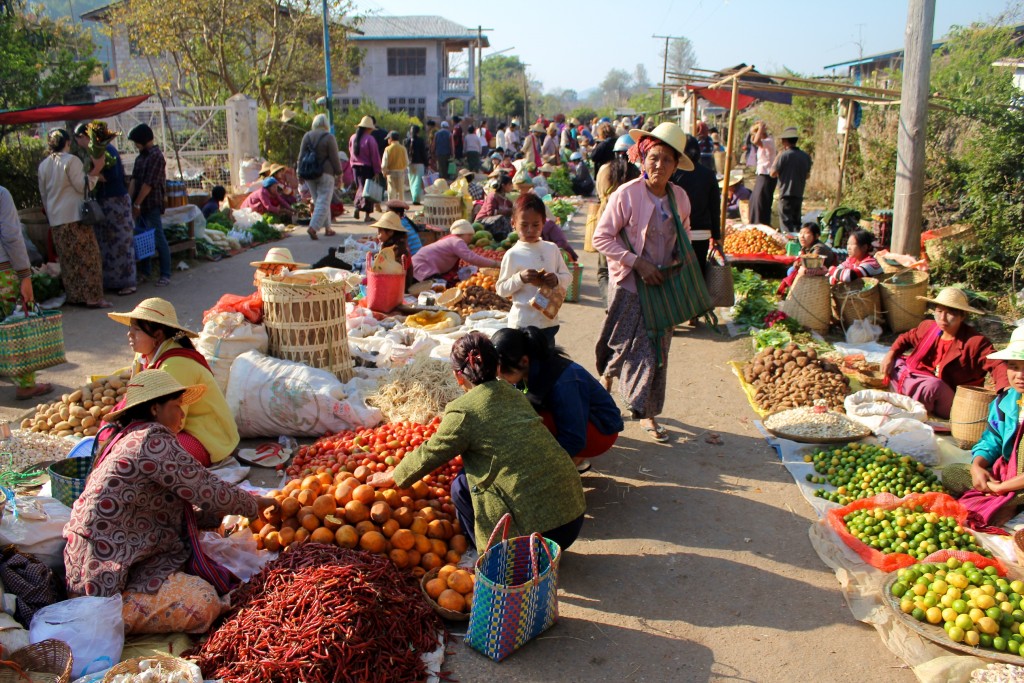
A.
pixel 145 245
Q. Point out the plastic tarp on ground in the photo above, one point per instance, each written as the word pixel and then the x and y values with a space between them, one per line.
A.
pixel 861 584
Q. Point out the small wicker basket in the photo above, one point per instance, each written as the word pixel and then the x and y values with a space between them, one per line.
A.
pixel 857 300
pixel 903 310
pixel 441 210
pixel 446 613
pixel 131 666
pixel 809 302
pixel 967 417
pixel 47 660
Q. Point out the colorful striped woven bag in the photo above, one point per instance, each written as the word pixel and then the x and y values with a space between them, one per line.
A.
pixel 31 343
pixel 681 296
pixel 516 594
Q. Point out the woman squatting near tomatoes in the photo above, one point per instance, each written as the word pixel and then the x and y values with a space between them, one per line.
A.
pixel 511 462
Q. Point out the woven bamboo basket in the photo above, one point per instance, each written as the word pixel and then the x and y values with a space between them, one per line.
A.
pixel 131 666
pixel 889 266
pixel 967 418
pixel 903 310
pixel 306 323
pixel 37 227
pixel 441 210
pixel 946 237
pixel 47 660
pixel 451 615
pixel 809 302
pixel 1018 546
pixel 857 300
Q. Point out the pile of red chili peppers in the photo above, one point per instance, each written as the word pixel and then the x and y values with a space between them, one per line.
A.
pixel 321 613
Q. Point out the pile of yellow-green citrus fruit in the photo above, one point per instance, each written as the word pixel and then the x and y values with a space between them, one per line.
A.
pixel 975 606
pixel 911 531
pixel 863 470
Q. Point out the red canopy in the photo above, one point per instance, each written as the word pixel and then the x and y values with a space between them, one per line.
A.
pixel 71 112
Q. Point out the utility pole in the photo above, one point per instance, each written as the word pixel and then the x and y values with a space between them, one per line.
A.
pixel 480 72
pixel 664 67
pixel 910 162
pixel 327 67
pixel 526 99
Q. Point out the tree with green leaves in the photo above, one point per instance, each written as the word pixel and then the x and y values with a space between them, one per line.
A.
pixel 202 52
pixel 40 61
pixel 502 77
pixel 681 57
pixel 615 86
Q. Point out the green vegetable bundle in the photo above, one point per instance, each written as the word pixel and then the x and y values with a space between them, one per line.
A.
pixel 559 183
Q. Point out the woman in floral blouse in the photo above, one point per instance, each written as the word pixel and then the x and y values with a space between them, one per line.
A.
pixel 135 527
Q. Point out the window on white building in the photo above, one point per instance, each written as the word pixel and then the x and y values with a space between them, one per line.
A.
pixel 347 103
pixel 407 61
pixel 414 106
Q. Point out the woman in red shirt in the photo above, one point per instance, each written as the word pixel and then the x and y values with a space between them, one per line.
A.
pixel 944 353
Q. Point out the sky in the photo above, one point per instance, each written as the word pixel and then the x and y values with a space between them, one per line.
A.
pixel 575 49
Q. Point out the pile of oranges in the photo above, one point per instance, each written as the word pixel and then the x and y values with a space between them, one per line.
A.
pixel 452 588
pixel 482 278
pixel 752 242
pixel 406 525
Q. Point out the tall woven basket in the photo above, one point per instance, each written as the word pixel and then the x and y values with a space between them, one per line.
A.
pixel 809 302
pixel 48 660
pixel 968 416
pixel 903 310
pixel 857 300
pixel 306 323
pixel 441 210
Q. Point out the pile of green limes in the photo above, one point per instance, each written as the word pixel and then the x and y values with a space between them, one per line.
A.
pixel 863 470
pixel 914 532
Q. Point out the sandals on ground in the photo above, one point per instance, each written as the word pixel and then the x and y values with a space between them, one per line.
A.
pixel 102 303
pixel 37 390
pixel 163 282
pixel 583 467
pixel 657 433
pixel 329 233
pixel 312 234
pixel 126 291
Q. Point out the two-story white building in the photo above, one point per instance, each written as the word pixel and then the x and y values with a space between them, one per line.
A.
pixel 417 64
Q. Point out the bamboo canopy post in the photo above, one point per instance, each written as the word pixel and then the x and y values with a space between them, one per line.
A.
pixel 842 156
pixel 728 152
pixel 693 112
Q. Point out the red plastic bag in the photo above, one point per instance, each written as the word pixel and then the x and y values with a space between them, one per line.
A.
pixel 250 306
pixel 939 503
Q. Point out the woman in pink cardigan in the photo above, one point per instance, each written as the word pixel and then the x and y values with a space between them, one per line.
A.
pixel 637 233
pixel 365 156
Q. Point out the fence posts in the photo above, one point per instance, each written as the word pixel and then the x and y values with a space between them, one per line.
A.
pixel 243 134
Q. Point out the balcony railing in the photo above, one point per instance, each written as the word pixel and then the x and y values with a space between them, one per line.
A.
pixel 455 85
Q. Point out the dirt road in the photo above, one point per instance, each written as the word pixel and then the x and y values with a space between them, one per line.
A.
pixel 694 563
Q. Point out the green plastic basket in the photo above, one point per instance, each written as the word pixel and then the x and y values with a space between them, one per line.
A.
pixel 67 478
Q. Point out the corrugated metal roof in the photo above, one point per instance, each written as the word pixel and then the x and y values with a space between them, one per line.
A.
pixel 408 27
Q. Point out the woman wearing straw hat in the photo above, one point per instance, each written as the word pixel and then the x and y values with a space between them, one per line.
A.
pixel 412 237
pixel 736 192
pixel 135 529
pixel 991 486
pixel 392 233
pixel 268 199
pixel 441 258
pixel 944 353
pixel 365 156
pixel 276 261
pixel 161 342
pixel 532 157
pixel 638 234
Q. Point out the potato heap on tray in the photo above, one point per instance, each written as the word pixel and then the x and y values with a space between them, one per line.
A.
pixel 80 412
pixel 790 377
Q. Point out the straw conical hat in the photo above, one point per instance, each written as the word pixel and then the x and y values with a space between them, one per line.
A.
pixel 155 310
pixel 152 384
pixel 389 220
pixel 951 297
pixel 278 256
pixel 672 135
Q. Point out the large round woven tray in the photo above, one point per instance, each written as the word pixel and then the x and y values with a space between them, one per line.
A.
pixel 446 613
pixel 935 633
pixel 807 439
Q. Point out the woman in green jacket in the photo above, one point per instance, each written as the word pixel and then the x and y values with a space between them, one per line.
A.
pixel 510 461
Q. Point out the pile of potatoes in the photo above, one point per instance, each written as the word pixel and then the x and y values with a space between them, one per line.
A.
pixel 791 378
pixel 80 412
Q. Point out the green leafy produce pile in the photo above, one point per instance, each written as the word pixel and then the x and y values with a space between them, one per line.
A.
pixel 562 210
pixel 559 182
pixel 45 286
pixel 262 231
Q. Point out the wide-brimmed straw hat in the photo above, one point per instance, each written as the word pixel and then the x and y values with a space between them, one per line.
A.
pixel 265 169
pixel 288 114
pixel 537 128
pixel 547 168
pixel 397 204
pixel 367 122
pixel 951 297
pixel 672 135
pixel 790 133
pixel 155 310
pixel 389 220
pixel 153 384
pixel 735 178
pixel 1014 350
pixel 278 256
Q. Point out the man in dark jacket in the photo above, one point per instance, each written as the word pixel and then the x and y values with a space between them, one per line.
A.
pixel 791 167
pixel 701 187
pixel 418 161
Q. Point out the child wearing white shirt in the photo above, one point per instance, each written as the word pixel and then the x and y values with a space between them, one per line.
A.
pixel 530 263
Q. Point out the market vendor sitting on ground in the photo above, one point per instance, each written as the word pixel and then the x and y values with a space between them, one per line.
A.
pixel 944 353
pixel 441 259
pixel 392 234
pixel 268 199
pixel 576 409
pixel 135 529
pixel 161 342
pixel 212 205
pixel 511 463
pixel 992 486
pixel 860 263
pixel 810 245
pixel 412 236
pixel 736 192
